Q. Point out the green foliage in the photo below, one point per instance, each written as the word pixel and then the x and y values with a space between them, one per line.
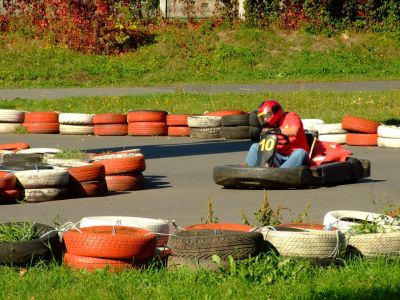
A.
pixel 209 218
pixel 71 154
pixel 16 232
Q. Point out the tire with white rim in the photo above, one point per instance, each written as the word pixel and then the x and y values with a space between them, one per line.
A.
pixel 75 118
pixel 9 127
pixel 76 129
pixel 204 121
pixel 332 128
pixel 159 227
pixel 339 138
pixel 32 179
pixel 345 219
pixel 12 116
pixel 44 194
pixel 387 131
pixel 39 150
pixel 388 142
pixel 310 123
pixel 118 154
pixel 375 244
pixel 64 162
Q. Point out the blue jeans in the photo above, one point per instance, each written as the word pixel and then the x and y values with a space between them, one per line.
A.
pixel 299 157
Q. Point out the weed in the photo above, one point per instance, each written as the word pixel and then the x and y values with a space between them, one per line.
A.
pixel 209 218
pixel 266 215
pixel 303 216
pixel 15 232
pixel 71 154
pixel 20 130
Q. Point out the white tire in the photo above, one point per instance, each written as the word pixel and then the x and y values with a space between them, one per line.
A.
pixel 39 150
pixel 334 138
pixel 33 179
pixel 375 244
pixel 204 121
pixel 9 127
pixel 388 142
pixel 76 129
pixel 387 131
pixel 74 118
pixel 345 219
pixel 67 163
pixel 44 194
pixel 305 243
pixel 333 128
pixel 119 154
pixel 158 226
pixel 12 116
pixel 310 123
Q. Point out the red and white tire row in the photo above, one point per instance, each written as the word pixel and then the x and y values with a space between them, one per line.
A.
pixel 147 122
pixel 9 193
pixel 110 124
pixel 124 174
pixel 76 123
pixel 41 122
pixel 362 132
pixel 87 181
pixel 11 120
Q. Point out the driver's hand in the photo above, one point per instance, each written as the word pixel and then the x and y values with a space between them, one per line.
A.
pixel 271 130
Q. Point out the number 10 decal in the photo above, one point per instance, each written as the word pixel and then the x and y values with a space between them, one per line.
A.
pixel 267 144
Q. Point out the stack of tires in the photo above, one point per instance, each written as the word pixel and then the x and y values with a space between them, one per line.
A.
pixel 117 248
pixel 13 147
pixel 235 126
pixel 9 194
pixel 332 132
pixel 309 124
pixel 41 122
pixel 87 181
pixel 178 124
pixel 389 136
pixel 362 132
pixel 255 127
pixel 42 184
pixel 124 173
pixel 109 124
pixel 205 127
pixel 11 120
pixel 147 122
pixel 76 123
pixel 195 246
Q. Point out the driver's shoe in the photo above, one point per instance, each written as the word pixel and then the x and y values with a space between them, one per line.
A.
pixel 266 165
pixel 244 165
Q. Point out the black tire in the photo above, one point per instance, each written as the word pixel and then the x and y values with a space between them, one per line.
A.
pixel 235 120
pixel 235 132
pixel 253 119
pixel 22 158
pixel 256 177
pixel 203 244
pixel 254 133
pixel 24 166
pixel 26 252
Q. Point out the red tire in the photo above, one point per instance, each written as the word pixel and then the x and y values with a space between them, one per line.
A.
pixel 111 129
pixel 222 113
pixel 147 116
pixel 118 183
pixel 14 146
pixel 109 119
pixel 362 139
pixel 116 242
pixel 41 117
pixel 88 189
pixel 359 124
pixel 132 164
pixel 7 181
pixel 178 131
pixel 221 226
pixel 300 225
pixel 87 173
pixel 147 128
pixel 94 263
pixel 177 119
pixel 10 196
pixel 41 127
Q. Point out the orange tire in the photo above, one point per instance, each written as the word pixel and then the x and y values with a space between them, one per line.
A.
pixel 14 146
pixel 147 116
pixel 177 119
pixel 356 124
pixel 88 189
pixel 41 117
pixel 42 127
pixel 116 242
pixel 221 226
pixel 109 118
pixel 94 263
pixel 118 183
pixel 87 173
pixel 131 164
pixel 7 181
pixel 222 113
pixel 362 139
pixel 300 225
pixel 178 131
pixel 147 128
pixel 10 196
pixel 111 129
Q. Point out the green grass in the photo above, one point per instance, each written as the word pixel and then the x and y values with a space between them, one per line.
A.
pixel 329 106
pixel 182 54
pixel 266 278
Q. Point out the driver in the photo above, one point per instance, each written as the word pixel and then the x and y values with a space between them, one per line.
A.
pixel 274 120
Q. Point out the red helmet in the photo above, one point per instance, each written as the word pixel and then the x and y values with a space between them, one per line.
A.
pixel 269 112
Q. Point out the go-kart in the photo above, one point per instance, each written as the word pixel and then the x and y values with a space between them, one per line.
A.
pixel 330 164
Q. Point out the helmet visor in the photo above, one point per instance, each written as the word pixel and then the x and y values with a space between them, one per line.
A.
pixel 264 117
